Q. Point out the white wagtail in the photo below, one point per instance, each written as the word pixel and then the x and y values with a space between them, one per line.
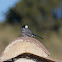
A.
pixel 26 32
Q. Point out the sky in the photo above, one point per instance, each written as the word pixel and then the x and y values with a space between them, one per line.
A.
pixel 4 7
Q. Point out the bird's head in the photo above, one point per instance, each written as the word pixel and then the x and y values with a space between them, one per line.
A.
pixel 25 26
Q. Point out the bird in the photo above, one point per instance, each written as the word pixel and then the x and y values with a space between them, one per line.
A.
pixel 28 33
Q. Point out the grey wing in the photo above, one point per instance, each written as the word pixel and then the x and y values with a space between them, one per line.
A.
pixel 26 32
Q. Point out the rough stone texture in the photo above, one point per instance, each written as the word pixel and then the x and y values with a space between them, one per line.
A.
pixel 25 45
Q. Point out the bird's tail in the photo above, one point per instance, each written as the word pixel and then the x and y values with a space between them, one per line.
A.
pixel 38 36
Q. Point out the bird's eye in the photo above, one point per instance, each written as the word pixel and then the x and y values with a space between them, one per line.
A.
pixel 23 26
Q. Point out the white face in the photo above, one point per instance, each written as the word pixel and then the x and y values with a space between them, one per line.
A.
pixel 26 26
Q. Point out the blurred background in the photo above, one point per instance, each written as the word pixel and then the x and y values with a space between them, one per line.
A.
pixel 44 18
